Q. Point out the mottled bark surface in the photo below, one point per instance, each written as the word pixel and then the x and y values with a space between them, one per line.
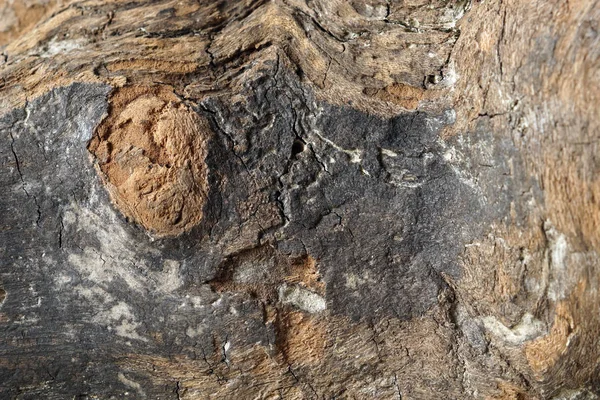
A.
pixel 299 199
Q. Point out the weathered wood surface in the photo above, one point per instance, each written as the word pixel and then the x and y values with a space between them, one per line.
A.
pixel 299 199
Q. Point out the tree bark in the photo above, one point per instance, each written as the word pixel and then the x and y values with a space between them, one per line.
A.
pixel 299 199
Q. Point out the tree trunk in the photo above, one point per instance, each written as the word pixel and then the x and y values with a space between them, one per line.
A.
pixel 299 199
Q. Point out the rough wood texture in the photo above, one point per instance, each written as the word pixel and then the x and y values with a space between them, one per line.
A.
pixel 151 151
pixel 299 199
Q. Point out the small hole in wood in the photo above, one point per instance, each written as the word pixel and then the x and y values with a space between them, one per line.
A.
pixel 297 148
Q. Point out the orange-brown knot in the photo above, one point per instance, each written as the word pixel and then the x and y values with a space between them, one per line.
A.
pixel 150 152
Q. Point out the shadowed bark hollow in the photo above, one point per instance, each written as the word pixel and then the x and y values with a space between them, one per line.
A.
pixel 299 199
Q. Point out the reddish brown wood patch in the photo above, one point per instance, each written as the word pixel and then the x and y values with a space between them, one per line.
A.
pixel 150 152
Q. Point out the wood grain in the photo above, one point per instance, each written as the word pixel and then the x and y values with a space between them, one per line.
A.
pixel 346 199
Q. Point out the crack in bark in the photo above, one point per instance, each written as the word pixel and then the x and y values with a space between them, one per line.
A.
pixel 23 184
pixel 500 40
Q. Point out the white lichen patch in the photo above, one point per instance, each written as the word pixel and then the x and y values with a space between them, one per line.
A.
pixel 389 153
pixel 251 271
pixel 61 47
pixel 450 76
pixel 456 160
pixel 98 269
pixel 126 323
pixel 132 384
pixel 117 257
pixel 169 276
pixel 110 261
pixel 528 328
pixel 559 279
pixel 301 298
pixel 94 295
pixel 355 155
pixel 353 281
pixel 194 331
pixel 580 394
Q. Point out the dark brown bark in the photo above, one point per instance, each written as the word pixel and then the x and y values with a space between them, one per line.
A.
pixel 299 199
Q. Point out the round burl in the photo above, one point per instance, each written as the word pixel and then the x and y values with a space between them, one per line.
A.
pixel 150 152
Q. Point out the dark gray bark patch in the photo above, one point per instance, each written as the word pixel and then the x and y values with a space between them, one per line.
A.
pixel 84 288
pixel 384 206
